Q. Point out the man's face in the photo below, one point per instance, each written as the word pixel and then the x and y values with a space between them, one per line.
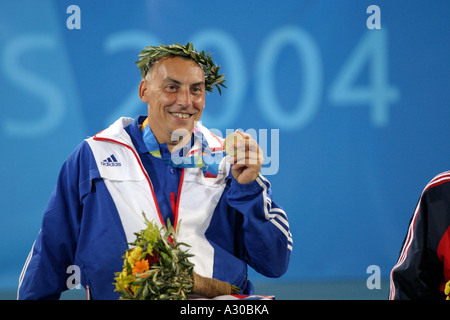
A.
pixel 174 91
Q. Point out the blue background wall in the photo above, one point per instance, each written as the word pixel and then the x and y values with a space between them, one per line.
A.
pixel 362 114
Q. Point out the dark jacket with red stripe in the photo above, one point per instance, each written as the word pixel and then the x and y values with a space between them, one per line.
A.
pixel 423 266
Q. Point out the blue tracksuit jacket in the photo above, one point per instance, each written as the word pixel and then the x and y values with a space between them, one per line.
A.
pixel 110 179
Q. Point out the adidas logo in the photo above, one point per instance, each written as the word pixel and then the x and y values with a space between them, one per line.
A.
pixel 111 161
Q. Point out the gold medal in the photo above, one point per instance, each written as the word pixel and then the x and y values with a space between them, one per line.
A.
pixel 230 143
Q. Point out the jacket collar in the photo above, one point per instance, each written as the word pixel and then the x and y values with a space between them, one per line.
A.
pixel 204 140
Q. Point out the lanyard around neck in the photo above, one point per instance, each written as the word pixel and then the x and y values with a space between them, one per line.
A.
pixel 185 157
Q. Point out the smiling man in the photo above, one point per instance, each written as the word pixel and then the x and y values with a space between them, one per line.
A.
pixel 228 215
pixel 174 91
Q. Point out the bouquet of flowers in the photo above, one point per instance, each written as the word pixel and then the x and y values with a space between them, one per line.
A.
pixel 156 268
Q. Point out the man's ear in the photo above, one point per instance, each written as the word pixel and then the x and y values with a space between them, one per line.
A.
pixel 142 89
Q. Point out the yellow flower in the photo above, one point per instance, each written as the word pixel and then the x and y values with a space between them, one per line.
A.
pixel 123 281
pixel 134 255
pixel 151 235
pixel 447 288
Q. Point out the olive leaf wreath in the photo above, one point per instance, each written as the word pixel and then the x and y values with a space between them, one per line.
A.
pixel 149 55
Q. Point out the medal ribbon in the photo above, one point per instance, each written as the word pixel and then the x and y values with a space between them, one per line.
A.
pixel 185 157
